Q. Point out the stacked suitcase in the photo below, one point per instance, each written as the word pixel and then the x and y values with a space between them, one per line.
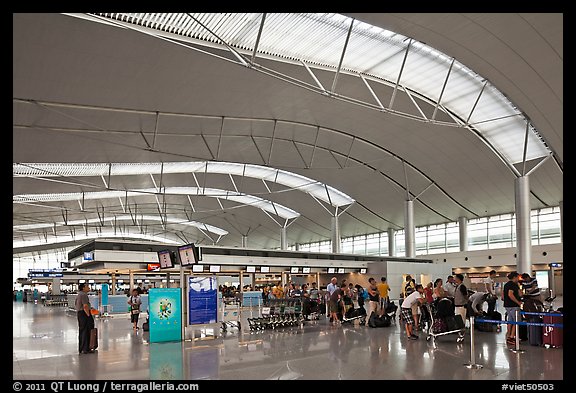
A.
pixel 552 336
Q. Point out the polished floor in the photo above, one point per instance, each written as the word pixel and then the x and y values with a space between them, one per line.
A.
pixel 45 347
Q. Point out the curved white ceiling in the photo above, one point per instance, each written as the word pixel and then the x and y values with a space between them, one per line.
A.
pixel 59 59
pixel 319 39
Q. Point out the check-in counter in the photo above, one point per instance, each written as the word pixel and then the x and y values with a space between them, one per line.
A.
pixel 118 304
pixel 251 298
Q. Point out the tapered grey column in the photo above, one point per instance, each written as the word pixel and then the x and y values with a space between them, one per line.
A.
pixel 463 230
pixel 131 280
pixel 561 221
pixel 391 244
pixel 335 235
pixel 523 233
pixel 409 230
pixel 283 239
pixel 244 241
pixel 297 246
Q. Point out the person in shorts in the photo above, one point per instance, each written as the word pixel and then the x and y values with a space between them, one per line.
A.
pixel 135 302
pixel 335 298
pixel 512 303
pixel 415 298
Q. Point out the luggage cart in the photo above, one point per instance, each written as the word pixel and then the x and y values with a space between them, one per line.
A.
pixel 431 335
pixel 230 314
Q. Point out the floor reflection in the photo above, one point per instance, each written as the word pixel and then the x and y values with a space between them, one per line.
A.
pixel 45 347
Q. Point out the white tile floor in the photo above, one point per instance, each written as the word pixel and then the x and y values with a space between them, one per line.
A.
pixel 45 347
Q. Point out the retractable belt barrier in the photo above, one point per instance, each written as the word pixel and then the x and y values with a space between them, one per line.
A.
pixel 556 325
pixel 542 314
pixel 517 349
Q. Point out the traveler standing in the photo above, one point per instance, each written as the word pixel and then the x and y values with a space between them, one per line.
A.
pixel 85 319
pixel 383 289
pixel 373 297
pixel 512 303
pixel 439 291
pixel 450 286
pixel 489 288
pixel 409 286
pixel 332 286
pixel 335 298
pixel 460 297
pixel 360 291
pixel 134 301
pixel 314 292
pixel 428 292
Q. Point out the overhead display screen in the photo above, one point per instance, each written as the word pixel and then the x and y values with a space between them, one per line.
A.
pixel 188 254
pixel 165 259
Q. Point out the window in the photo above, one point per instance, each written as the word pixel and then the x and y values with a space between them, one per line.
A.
pixel 400 246
pixel 497 231
pixel 373 244
pixel 478 234
pixel 500 230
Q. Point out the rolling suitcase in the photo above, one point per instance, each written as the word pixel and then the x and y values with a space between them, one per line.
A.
pixel 552 336
pixel 93 339
pixel 523 331
pixel 535 332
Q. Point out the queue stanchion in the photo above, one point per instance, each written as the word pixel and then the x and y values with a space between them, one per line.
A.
pixel 472 363
pixel 516 348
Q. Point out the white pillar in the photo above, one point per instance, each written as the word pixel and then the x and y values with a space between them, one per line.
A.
pixel 463 230
pixel 113 284
pixel 244 241
pixel 283 239
pixel 183 303
pixel 409 230
pixel 391 244
pixel 562 221
pixel 523 233
pixel 131 278
pixel 56 286
pixel 335 235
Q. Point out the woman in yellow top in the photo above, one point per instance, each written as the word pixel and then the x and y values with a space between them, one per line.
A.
pixel 278 291
pixel 383 289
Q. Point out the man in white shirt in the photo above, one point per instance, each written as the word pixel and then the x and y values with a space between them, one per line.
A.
pixel 415 297
pixel 450 286
pixel 331 288
pixel 476 301
pixel 489 288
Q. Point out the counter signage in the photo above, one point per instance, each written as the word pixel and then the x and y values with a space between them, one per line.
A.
pixel 165 312
pixel 37 273
pixel 202 300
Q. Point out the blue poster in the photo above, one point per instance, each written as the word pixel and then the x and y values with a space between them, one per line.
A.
pixel 166 361
pixel 104 294
pixel 165 310
pixel 202 300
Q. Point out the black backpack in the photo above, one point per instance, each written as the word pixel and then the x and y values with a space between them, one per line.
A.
pixel 379 321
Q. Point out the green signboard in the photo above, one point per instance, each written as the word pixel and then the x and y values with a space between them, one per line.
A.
pixel 165 310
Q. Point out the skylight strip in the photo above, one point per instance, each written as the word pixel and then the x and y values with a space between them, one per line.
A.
pixel 101 169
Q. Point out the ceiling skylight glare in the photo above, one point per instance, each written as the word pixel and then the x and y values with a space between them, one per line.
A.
pixel 303 36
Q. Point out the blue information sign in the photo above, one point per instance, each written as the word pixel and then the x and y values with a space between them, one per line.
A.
pixel 104 294
pixel 202 300
pixel 165 310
